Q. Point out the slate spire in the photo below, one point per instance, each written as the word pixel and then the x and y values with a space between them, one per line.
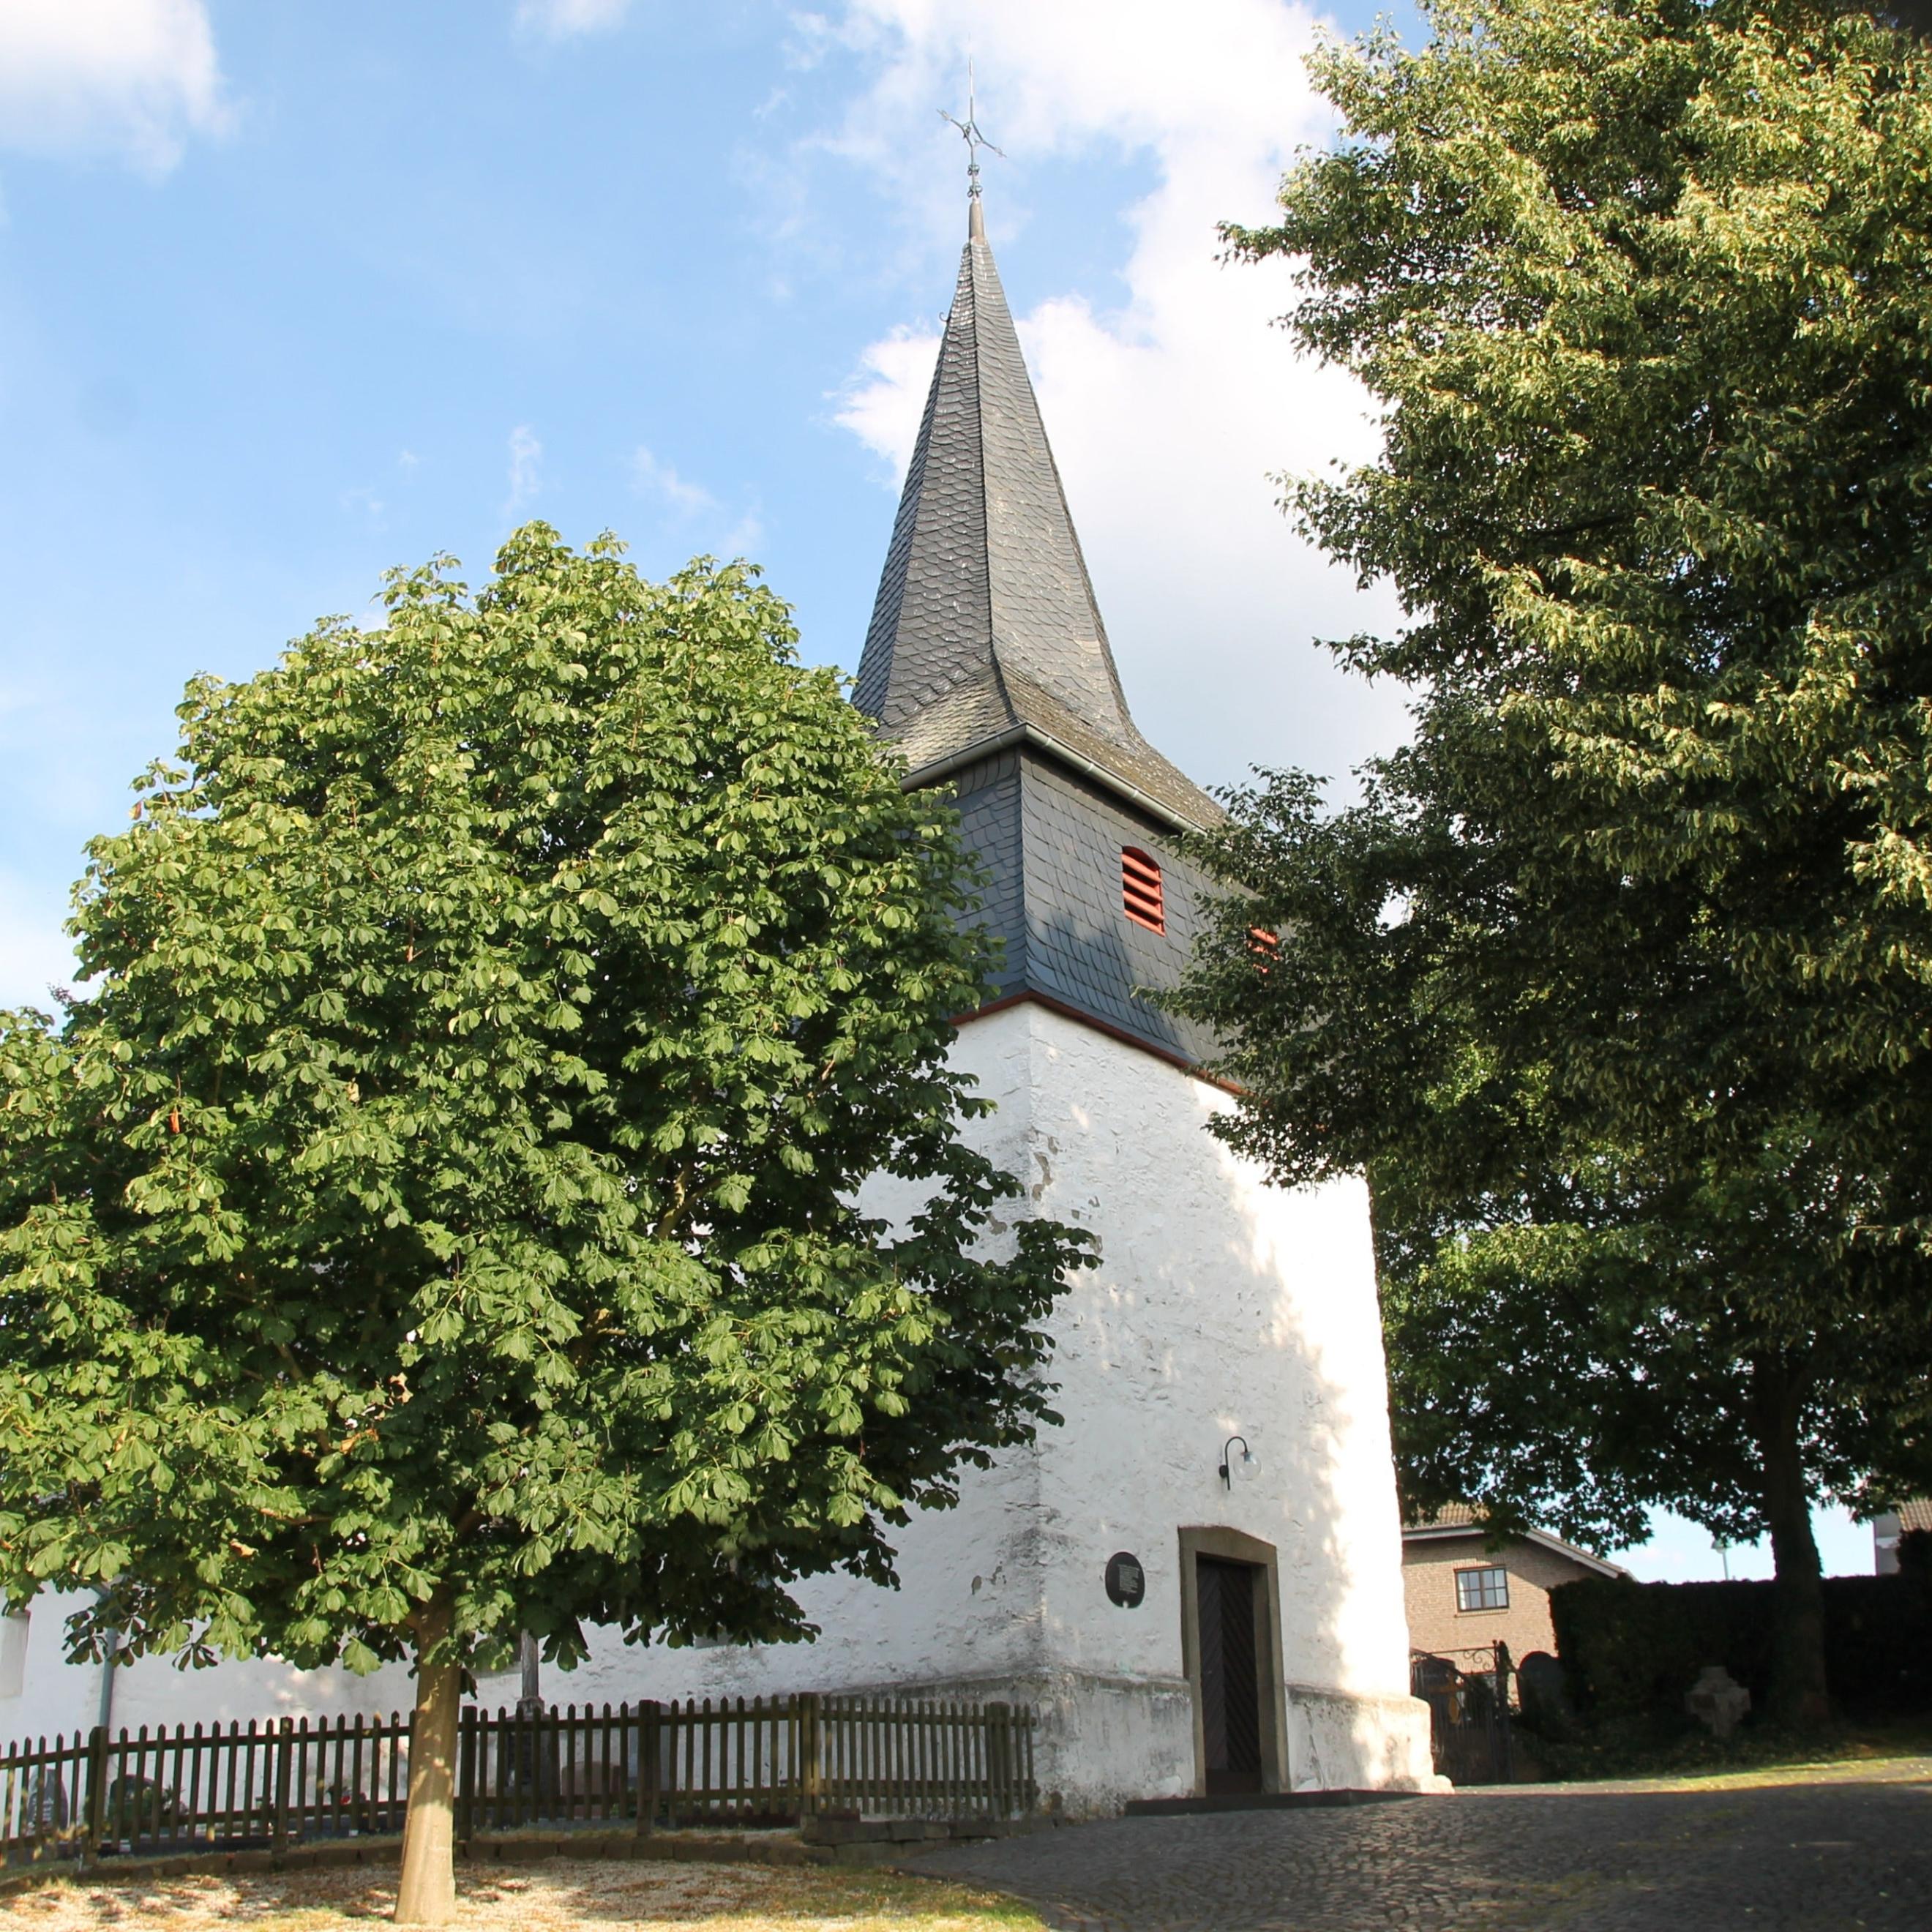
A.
pixel 985 632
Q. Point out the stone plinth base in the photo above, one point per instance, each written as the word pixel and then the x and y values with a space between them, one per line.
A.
pixel 1103 1742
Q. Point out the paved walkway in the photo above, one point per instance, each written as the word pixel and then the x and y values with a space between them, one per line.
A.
pixel 1831 1856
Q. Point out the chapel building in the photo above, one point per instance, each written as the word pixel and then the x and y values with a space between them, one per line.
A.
pixel 1191 1615
pixel 1196 1578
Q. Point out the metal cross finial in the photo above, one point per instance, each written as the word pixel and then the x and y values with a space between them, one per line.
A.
pixel 975 140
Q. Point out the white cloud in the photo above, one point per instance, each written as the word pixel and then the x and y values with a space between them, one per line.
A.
pixel 658 479
pixel 881 406
pixel 132 77
pixel 525 475
pixel 559 19
pixel 685 500
pixel 745 537
pixel 1169 415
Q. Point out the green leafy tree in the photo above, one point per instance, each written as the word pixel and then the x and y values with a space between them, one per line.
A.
pixel 444 1218
pixel 1617 980
pixel 1579 1328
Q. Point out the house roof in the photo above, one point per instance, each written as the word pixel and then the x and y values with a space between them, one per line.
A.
pixel 1451 1516
pixel 985 633
pixel 1458 1520
pixel 1916 1514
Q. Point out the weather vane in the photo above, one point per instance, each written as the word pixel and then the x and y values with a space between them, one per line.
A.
pixel 975 140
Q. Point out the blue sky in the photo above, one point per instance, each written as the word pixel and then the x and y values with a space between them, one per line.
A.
pixel 290 294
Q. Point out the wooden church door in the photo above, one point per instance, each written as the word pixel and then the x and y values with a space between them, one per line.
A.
pixel 1231 1722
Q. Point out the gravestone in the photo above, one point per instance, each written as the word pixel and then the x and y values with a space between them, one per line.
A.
pixel 1718 1700
pixel 1545 1694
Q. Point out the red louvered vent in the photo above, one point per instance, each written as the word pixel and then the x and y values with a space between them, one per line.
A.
pixel 1140 889
pixel 1264 945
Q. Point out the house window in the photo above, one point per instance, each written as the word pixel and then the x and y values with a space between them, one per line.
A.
pixel 1483 1589
pixel 1140 889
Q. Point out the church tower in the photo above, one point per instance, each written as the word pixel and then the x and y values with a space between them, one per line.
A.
pixel 1193 1614
pixel 1197 1578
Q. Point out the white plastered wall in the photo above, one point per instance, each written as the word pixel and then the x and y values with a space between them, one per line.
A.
pixel 1220 1306
pixel 55 1696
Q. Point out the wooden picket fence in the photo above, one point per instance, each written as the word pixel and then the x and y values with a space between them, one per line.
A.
pixel 302 1781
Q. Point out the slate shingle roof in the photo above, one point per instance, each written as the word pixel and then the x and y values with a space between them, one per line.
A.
pixel 985 628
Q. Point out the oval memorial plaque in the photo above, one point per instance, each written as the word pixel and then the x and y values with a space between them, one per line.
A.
pixel 1126 1581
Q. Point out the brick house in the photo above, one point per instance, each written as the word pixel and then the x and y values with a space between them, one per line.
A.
pixel 1899 1521
pixel 1463 1596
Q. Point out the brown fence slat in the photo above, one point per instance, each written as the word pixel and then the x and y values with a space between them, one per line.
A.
pixel 282 1781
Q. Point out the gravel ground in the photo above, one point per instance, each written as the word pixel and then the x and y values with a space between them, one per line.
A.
pixel 556 1893
pixel 1829 1851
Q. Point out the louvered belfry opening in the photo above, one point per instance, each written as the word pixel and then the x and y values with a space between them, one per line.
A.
pixel 1140 889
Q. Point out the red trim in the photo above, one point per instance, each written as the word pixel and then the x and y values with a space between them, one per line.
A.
pixel 1191 1067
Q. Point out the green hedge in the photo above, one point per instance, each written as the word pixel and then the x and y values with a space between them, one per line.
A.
pixel 1632 1649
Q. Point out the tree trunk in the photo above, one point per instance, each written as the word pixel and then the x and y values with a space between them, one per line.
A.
pixel 428 1894
pixel 1799 1693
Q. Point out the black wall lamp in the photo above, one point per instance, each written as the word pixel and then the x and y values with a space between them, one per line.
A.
pixel 1247 1459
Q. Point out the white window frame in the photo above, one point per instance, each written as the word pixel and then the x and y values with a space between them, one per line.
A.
pixel 1479 1579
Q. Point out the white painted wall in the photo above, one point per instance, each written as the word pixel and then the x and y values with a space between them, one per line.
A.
pixel 1221 1306
pixel 55 1696
pixel 45 1695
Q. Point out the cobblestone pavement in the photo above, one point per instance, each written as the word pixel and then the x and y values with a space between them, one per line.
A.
pixel 1840 1854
